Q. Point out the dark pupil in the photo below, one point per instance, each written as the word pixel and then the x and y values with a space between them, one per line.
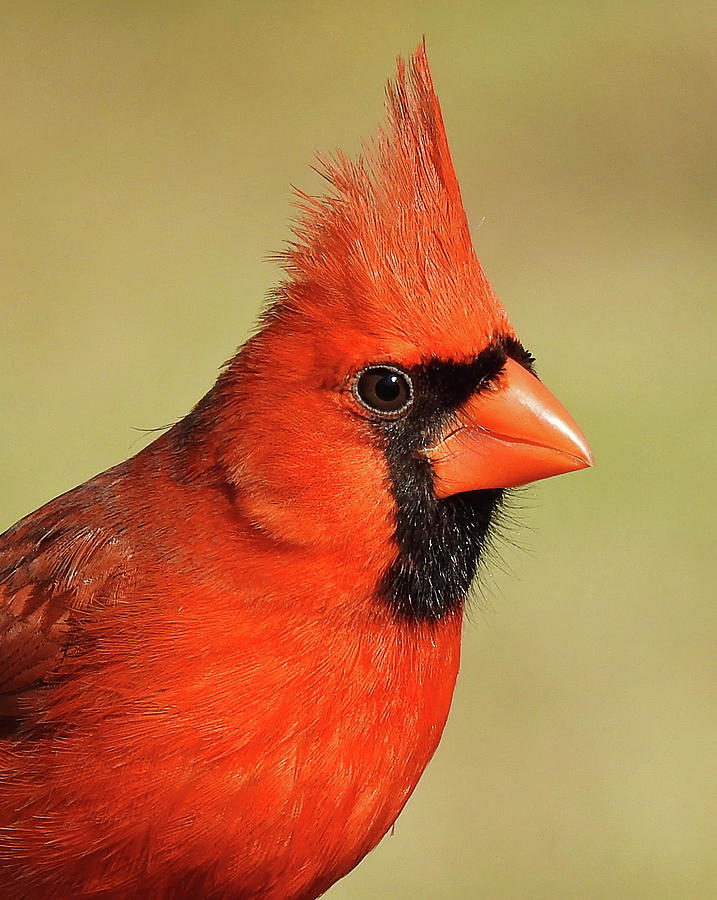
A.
pixel 384 390
pixel 388 388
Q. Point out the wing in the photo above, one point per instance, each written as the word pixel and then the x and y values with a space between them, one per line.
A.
pixel 58 566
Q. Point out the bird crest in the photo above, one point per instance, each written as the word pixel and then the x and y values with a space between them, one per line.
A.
pixel 386 253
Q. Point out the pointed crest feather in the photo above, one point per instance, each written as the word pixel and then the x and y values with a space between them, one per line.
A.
pixel 386 256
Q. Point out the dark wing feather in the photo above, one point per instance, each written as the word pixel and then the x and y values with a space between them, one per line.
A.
pixel 56 568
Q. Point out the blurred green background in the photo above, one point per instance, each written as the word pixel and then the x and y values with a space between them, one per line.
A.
pixel 145 164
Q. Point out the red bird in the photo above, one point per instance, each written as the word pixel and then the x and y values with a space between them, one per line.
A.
pixel 227 661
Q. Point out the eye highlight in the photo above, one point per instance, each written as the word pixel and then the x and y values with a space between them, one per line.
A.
pixel 384 390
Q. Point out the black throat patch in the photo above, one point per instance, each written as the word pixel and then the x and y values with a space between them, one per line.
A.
pixel 440 541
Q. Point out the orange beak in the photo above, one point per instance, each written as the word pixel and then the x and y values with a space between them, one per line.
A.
pixel 506 437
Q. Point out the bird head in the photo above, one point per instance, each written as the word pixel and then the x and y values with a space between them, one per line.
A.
pixel 386 402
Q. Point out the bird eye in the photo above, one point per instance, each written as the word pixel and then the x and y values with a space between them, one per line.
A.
pixel 384 390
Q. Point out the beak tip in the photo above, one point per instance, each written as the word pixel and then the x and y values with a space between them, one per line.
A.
pixel 585 454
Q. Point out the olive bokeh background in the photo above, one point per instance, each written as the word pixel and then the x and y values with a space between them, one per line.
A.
pixel 145 164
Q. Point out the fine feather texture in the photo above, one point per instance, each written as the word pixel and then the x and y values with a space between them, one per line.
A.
pixel 219 679
pixel 182 743
pixel 385 262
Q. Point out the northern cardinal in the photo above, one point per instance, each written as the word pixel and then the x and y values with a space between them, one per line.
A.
pixel 226 662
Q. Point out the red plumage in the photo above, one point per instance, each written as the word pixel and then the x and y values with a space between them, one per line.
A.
pixel 207 689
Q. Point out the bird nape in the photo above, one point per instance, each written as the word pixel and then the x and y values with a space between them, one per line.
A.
pixel 228 660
